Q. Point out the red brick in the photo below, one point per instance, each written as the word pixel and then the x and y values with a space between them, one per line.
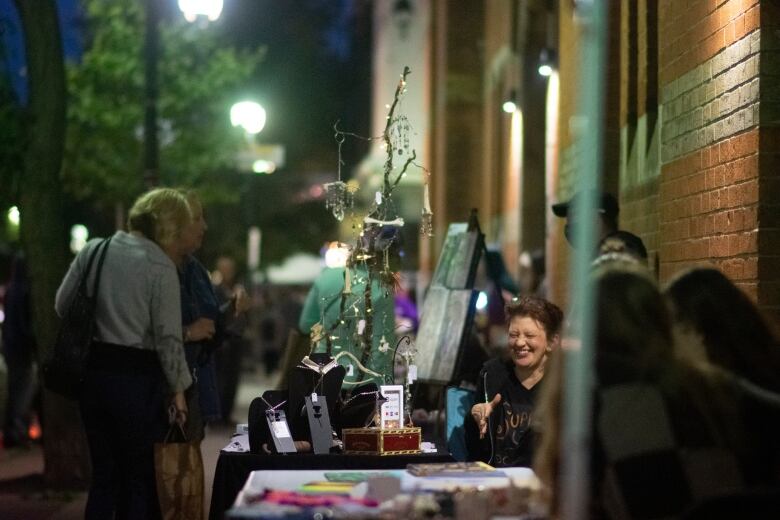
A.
pixel 730 33
pixel 733 268
pixel 719 246
pixel 752 19
pixel 739 27
pixel 750 289
pixel 751 268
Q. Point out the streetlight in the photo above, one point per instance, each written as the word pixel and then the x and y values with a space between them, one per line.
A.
pixel 248 115
pixel 191 9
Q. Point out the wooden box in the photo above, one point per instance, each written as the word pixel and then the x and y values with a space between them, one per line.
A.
pixel 376 441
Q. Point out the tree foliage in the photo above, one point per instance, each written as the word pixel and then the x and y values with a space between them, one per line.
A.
pixel 199 79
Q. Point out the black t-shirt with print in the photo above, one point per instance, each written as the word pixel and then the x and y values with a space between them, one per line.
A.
pixel 513 438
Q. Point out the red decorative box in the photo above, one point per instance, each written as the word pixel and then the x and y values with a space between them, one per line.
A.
pixel 376 441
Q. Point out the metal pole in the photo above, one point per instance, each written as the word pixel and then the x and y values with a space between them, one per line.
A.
pixel 151 50
pixel 578 398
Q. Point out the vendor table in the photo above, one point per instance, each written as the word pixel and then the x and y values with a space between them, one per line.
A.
pixel 290 480
pixel 233 469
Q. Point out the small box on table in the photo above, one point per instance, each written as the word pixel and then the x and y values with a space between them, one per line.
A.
pixel 378 441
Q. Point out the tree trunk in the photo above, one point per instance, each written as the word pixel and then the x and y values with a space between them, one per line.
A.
pixel 42 230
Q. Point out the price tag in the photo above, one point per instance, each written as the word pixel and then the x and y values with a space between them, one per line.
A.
pixel 281 430
pixel 361 326
pixel 350 370
pixel 411 375
pixel 314 397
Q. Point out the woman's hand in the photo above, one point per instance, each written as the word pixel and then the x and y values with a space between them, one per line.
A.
pixel 481 411
pixel 179 403
pixel 241 300
pixel 198 330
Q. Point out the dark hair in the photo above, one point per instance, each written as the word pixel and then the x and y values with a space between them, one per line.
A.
pixel 632 322
pixel 735 334
pixel 623 242
pixel 543 311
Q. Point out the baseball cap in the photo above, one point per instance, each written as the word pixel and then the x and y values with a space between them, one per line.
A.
pixel 606 204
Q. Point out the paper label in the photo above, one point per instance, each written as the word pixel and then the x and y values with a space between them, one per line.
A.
pixel 391 416
pixel 411 375
pixel 361 326
pixel 314 397
pixel 280 429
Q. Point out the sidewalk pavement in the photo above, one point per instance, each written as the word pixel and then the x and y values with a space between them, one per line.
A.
pixel 22 496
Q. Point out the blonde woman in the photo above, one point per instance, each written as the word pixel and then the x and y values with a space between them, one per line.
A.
pixel 137 364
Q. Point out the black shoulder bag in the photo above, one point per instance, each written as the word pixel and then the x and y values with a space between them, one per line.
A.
pixel 64 372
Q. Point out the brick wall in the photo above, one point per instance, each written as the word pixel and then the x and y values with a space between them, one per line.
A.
pixel 709 189
pixel 640 135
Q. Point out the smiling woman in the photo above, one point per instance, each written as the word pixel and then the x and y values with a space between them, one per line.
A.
pixel 499 429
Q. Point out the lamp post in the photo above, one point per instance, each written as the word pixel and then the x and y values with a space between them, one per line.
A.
pixel 192 10
pixel 151 50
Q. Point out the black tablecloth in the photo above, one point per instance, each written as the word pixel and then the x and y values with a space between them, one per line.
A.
pixel 233 469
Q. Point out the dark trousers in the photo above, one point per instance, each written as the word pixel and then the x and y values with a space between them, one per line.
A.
pixel 123 410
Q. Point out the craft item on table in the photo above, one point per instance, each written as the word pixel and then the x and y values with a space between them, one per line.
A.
pixel 447 469
pixel 391 414
pixel 319 423
pixel 356 476
pixel 376 441
pixel 328 487
pixel 382 488
pixel 429 447
pixel 238 444
pixel 294 498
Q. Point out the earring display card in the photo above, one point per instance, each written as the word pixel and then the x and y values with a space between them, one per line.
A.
pixel 391 415
pixel 280 431
pixel 319 423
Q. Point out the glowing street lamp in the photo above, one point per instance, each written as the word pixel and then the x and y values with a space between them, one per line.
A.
pixel 248 115
pixel 192 9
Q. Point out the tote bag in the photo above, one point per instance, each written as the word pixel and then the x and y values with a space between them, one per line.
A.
pixel 179 470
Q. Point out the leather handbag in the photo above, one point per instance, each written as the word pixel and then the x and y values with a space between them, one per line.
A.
pixel 64 372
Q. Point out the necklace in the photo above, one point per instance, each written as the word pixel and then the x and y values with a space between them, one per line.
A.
pixel 306 362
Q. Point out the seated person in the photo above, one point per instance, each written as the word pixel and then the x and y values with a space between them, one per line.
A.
pixel 499 429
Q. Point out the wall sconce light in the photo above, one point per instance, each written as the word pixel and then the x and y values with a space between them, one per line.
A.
pixel 510 103
pixel 402 12
pixel 547 60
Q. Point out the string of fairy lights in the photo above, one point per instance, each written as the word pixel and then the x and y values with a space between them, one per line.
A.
pixel 369 263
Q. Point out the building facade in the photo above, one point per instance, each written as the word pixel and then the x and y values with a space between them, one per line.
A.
pixel 692 119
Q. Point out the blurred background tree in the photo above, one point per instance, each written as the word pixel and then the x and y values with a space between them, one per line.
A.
pixel 199 78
